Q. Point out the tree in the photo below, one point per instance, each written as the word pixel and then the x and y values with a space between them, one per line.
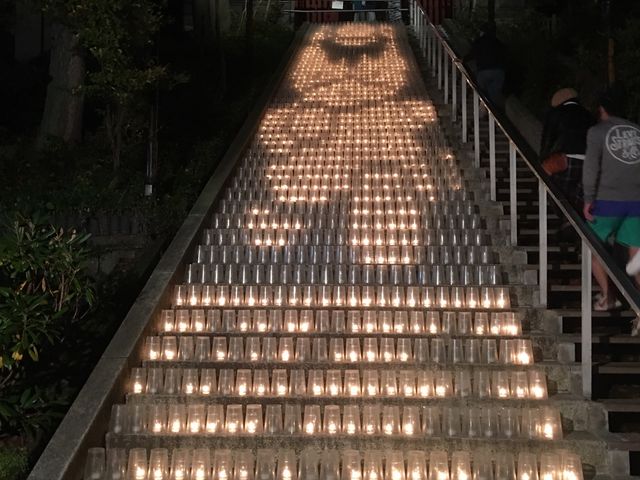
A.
pixel 118 36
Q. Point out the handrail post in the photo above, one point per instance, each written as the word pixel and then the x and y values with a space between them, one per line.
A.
pixel 492 156
pixel 476 128
pixel 542 227
pixel 586 337
pixel 454 91
pixel 425 33
pixel 434 50
pixel 428 44
pixel 445 61
pixel 439 60
pixel 463 103
pixel 513 193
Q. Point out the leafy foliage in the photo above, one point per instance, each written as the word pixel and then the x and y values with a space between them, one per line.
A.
pixel 43 293
pixel 42 287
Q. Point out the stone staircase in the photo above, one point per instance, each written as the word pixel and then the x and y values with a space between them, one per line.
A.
pixel 616 379
pixel 354 310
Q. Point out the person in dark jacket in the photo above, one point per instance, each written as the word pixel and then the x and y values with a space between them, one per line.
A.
pixel 489 55
pixel 565 131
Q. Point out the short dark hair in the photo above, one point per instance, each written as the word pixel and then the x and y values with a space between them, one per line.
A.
pixel 612 101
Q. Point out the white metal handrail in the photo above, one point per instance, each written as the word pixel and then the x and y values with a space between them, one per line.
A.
pixel 440 56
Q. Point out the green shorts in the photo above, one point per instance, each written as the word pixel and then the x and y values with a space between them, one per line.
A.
pixel 625 230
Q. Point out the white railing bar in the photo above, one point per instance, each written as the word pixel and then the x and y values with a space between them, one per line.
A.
pixel 585 330
pixel 542 228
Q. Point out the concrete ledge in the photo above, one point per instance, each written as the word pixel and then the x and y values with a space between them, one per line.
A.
pixel 85 425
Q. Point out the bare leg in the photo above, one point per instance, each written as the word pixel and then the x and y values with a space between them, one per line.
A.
pixel 602 279
pixel 632 252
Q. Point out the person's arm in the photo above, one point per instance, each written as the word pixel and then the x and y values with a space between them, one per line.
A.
pixel 591 170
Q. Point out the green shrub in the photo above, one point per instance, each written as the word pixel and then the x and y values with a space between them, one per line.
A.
pixel 44 293
pixel 13 463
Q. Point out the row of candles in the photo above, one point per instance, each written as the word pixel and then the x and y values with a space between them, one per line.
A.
pixel 414 243
pixel 368 222
pixel 341 274
pixel 188 348
pixel 310 464
pixel 339 254
pixel 370 205
pixel 541 423
pixel 411 178
pixel 341 296
pixel 499 384
pixel 413 322
pixel 452 193
pixel 373 172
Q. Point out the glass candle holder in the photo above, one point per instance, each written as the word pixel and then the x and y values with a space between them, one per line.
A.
pixel 265 464
pixel 438 465
pixel 448 325
pixel 471 422
pixel 169 348
pixel 222 464
pixel 433 323
pixel 351 420
pixel 273 419
pixel 219 349
pixel 387 350
pixel 460 465
pixel 482 465
pixel 332 423
pixel 372 466
pixel 215 419
pixel 351 465
pixel 177 418
pixel 196 418
pixel 334 383
pixel 353 350
pixel 550 425
pixel 390 420
pixel 410 421
pixel 481 323
pixel 462 383
pixel 253 424
pixel 385 322
pixel 442 384
pixel 505 465
pixel 137 464
pixel 315 384
pixel 285 349
pixel 243 382
pixel 234 420
pixel 243 465
pixel 352 383
pixel 371 419
pixel 95 465
pixel 407 382
pixel 312 420
pixel 297 382
pixel 287 465
pixel 159 464
pixel 537 384
pixel 500 384
pixel 138 380
pixel 416 465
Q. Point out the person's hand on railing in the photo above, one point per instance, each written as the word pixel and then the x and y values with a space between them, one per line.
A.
pixel 588 206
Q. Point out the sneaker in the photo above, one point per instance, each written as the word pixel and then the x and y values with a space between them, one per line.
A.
pixel 601 304
pixel 635 326
pixel 633 267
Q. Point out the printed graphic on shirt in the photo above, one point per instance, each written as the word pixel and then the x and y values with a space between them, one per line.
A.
pixel 623 143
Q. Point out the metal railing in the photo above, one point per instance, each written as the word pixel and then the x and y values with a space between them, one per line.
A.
pixel 446 67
